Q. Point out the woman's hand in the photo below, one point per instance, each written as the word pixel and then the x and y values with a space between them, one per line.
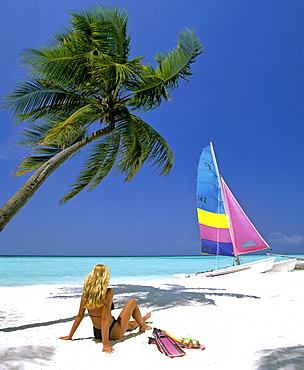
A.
pixel 66 338
pixel 108 349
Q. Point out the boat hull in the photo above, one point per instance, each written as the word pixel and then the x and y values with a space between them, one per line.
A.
pixel 250 267
pixel 284 266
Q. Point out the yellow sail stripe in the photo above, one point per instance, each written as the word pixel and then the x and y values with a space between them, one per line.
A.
pixel 212 219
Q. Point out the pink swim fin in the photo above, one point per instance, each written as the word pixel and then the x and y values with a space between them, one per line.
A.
pixel 166 344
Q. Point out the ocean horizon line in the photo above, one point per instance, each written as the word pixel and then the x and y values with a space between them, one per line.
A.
pixel 64 256
pixel 139 256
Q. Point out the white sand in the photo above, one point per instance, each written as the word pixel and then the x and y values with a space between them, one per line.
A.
pixel 245 321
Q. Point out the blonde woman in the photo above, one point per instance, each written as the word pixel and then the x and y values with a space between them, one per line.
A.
pixel 97 299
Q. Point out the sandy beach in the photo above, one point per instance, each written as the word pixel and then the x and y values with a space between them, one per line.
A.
pixel 245 321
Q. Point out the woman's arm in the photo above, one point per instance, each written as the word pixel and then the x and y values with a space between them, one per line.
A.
pixel 77 321
pixel 105 322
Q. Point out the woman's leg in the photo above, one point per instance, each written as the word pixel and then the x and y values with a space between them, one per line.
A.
pixel 132 325
pixel 130 309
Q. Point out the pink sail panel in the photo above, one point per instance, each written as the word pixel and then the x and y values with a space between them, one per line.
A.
pixel 212 233
pixel 244 235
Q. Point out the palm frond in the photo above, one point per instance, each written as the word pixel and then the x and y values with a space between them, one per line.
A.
pixel 95 40
pixel 59 64
pixel 130 153
pixel 157 150
pixel 141 143
pixel 35 134
pixel 154 85
pixel 36 99
pixel 98 165
pixel 118 38
pixel 176 64
pixel 31 163
pixel 107 28
pixel 148 90
pixel 112 74
pixel 63 132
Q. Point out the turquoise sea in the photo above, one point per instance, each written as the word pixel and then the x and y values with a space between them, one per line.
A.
pixel 23 271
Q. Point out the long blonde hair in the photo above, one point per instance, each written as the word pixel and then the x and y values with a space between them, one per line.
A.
pixel 95 287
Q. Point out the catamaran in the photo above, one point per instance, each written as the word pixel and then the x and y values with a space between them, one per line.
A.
pixel 225 230
pixel 286 265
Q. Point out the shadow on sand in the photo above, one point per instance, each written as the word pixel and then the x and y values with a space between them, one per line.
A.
pixel 291 358
pixel 148 297
pixel 122 339
pixel 14 358
pixel 169 295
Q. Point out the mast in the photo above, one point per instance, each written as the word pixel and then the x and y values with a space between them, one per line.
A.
pixel 215 163
pixel 237 260
pixel 218 202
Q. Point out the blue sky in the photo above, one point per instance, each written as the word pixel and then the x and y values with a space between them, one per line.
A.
pixel 246 96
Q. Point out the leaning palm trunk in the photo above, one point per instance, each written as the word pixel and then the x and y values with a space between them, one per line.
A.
pixel 20 198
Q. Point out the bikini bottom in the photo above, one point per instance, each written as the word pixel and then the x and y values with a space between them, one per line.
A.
pixel 97 332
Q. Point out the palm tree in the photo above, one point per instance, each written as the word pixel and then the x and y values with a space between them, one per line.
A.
pixel 84 89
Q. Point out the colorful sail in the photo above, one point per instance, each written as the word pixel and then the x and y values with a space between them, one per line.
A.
pixel 224 228
pixel 245 237
pixel 212 217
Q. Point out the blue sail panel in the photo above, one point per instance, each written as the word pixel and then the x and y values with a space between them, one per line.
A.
pixel 216 248
pixel 209 197
pixel 212 217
